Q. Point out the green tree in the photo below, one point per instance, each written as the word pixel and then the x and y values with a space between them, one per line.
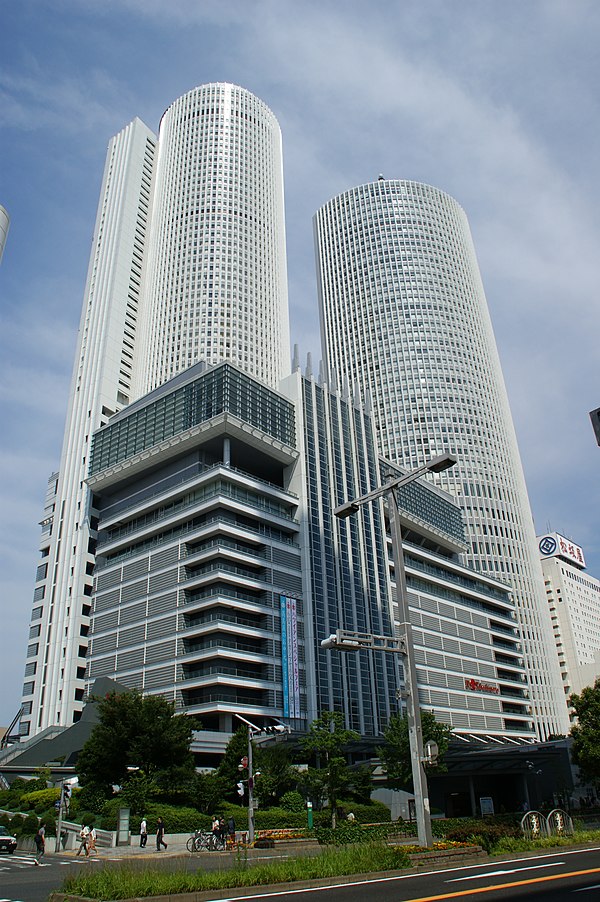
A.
pixel 135 731
pixel 586 732
pixel 361 783
pixel 395 754
pixel 228 769
pixel 276 774
pixel 326 739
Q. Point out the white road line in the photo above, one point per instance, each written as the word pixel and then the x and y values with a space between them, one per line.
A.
pixel 395 878
pixel 505 871
pixel 585 889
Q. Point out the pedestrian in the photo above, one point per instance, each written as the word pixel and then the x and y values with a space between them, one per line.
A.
pixel 143 833
pixel 222 830
pixel 160 835
pixel 40 842
pixel 231 831
pixel 83 840
pixel 92 837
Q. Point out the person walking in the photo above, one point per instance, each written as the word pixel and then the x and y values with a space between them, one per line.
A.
pixel 231 831
pixel 83 840
pixel 160 835
pixel 40 842
pixel 143 833
pixel 92 837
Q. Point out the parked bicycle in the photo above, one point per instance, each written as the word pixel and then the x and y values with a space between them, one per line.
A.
pixel 202 841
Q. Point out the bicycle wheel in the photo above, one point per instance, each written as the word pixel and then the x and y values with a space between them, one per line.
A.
pixel 191 844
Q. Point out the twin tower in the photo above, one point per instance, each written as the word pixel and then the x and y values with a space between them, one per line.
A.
pixel 188 269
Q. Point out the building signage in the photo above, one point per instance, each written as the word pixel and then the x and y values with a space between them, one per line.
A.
pixel 478 686
pixel 555 545
pixel 289 657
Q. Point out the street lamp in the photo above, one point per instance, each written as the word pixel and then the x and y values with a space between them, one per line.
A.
pixel 403 645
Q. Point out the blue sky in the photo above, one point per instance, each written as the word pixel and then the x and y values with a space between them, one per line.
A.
pixel 496 103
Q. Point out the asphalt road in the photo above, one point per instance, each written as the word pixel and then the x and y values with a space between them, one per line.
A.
pixel 568 876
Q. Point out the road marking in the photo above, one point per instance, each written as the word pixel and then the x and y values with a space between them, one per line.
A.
pixel 453 895
pixel 490 889
pixel 505 872
pixel 585 889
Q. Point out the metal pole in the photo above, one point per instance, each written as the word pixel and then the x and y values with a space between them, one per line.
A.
pixel 413 711
pixel 250 791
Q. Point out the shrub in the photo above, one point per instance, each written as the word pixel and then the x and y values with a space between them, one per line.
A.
pixel 176 819
pixel 346 833
pixel 292 801
pixel 30 825
pixel 485 835
pixel 50 821
pixel 373 813
pixel 279 818
pixel 16 824
pixel 40 800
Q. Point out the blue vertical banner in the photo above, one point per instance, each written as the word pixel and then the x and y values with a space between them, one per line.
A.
pixel 284 656
pixel 290 665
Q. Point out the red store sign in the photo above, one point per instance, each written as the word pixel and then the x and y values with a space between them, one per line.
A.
pixel 477 686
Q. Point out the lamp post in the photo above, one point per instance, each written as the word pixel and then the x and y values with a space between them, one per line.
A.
pixel 403 644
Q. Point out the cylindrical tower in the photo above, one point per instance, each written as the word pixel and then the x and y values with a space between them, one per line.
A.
pixel 216 276
pixel 404 317
pixel 4 225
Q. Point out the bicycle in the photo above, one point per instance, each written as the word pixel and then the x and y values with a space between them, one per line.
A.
pixel 205 841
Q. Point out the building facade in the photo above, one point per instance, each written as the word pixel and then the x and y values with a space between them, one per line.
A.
pixel 220 566
pixel 102 383
pixel 219 562
pixel 404 318
pixel 187 263
pixel 4 227
pixel 216 282
pixel 573 598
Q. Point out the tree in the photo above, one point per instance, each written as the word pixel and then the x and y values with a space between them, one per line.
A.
pixel 326 738
pixel 395 754
pixel 277 776
pixel 586 732
pixel 135 731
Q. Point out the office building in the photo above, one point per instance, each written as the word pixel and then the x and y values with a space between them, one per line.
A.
pixel 405 320
pixel 4 226
pixel 573 598
pixel 187 264
pixel 220 566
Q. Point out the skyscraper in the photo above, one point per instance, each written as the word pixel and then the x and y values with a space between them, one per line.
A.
pixel 188 263
pixel 404 318
pixel 216 280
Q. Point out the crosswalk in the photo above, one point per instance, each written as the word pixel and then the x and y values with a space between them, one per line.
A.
pixel 16 861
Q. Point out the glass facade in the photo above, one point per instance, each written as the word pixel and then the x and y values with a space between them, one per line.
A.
pixel 222 389
pixel 348 575
pixel 404 317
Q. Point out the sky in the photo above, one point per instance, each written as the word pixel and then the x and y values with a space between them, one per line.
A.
pixel 496 103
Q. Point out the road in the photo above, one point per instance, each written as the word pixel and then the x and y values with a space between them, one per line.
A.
pixel 557 877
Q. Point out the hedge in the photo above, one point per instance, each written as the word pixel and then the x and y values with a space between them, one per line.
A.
pixel 40 800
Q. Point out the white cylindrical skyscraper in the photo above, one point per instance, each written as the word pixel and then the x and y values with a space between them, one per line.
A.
pixel 404 317
pixel 217 284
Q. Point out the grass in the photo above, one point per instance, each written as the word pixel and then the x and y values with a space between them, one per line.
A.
pixel 509 844
pixel 127 883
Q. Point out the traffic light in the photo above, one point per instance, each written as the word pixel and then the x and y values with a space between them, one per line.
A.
pixel 240 789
